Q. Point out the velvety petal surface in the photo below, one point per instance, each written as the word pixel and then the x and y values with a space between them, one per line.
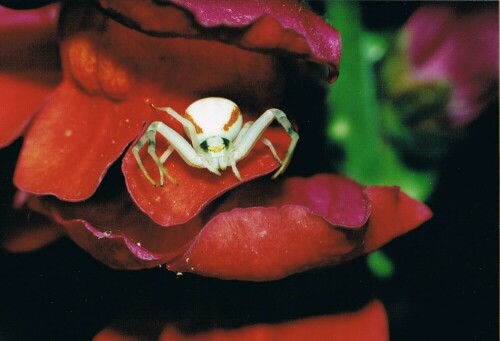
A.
pixel 284 25
pixel 28 67
pixel 24 231
pixel 367 324
pixel 118 250
pixel 307 223
pixel 72 143
pixel 294 232
pixel 393 214
pixel 116 233
pixel 21 230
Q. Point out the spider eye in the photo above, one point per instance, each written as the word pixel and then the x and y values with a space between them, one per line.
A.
pixel 204 146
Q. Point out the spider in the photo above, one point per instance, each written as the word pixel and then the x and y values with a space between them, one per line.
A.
pixel 218 137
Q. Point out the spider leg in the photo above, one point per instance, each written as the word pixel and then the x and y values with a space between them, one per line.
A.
pixel 294 136
pixel 150 138
pixel 235 170
pixel 188 125
pixel 183 148
pixel 166 154
pixel 243 131
pixel 235 143
pixel 269 144
pixel 255 131
pixel 177 143
pixel 135 150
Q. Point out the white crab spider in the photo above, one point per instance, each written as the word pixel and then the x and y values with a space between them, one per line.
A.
pixel 218 137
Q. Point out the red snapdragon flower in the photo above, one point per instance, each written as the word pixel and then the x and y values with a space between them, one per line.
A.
pixel 119 56
pixel 368 324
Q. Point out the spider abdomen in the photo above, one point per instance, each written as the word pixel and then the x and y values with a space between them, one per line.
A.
pixel 215 117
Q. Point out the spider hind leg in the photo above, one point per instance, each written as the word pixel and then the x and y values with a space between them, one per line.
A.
pixel 294 137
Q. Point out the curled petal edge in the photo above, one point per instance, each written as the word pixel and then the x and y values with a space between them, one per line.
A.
pixel 369 323
pixel 263 243
pixel 281 25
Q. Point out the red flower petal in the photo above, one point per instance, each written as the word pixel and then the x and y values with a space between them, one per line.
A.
pixel 119 251
pixel 21 98
pixel 176 204
pixel 118 235
pixel 284 25
pixel 82 126
pixel 25 81
pixel 367 324
pixel 322 220
pixel 27 232
pixel 393 214
pixel 264 243
pixel 338 200
pixel 73 141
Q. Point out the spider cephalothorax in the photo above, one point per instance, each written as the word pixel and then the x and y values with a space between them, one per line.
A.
pixel 218 137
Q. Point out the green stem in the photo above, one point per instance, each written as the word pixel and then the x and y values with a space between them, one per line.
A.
pixel 355 111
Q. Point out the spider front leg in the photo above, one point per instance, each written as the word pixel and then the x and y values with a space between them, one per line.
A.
pixel 177 143
pixel 150 138
pixel 294 136
pixel 188 126
pixel 253 133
